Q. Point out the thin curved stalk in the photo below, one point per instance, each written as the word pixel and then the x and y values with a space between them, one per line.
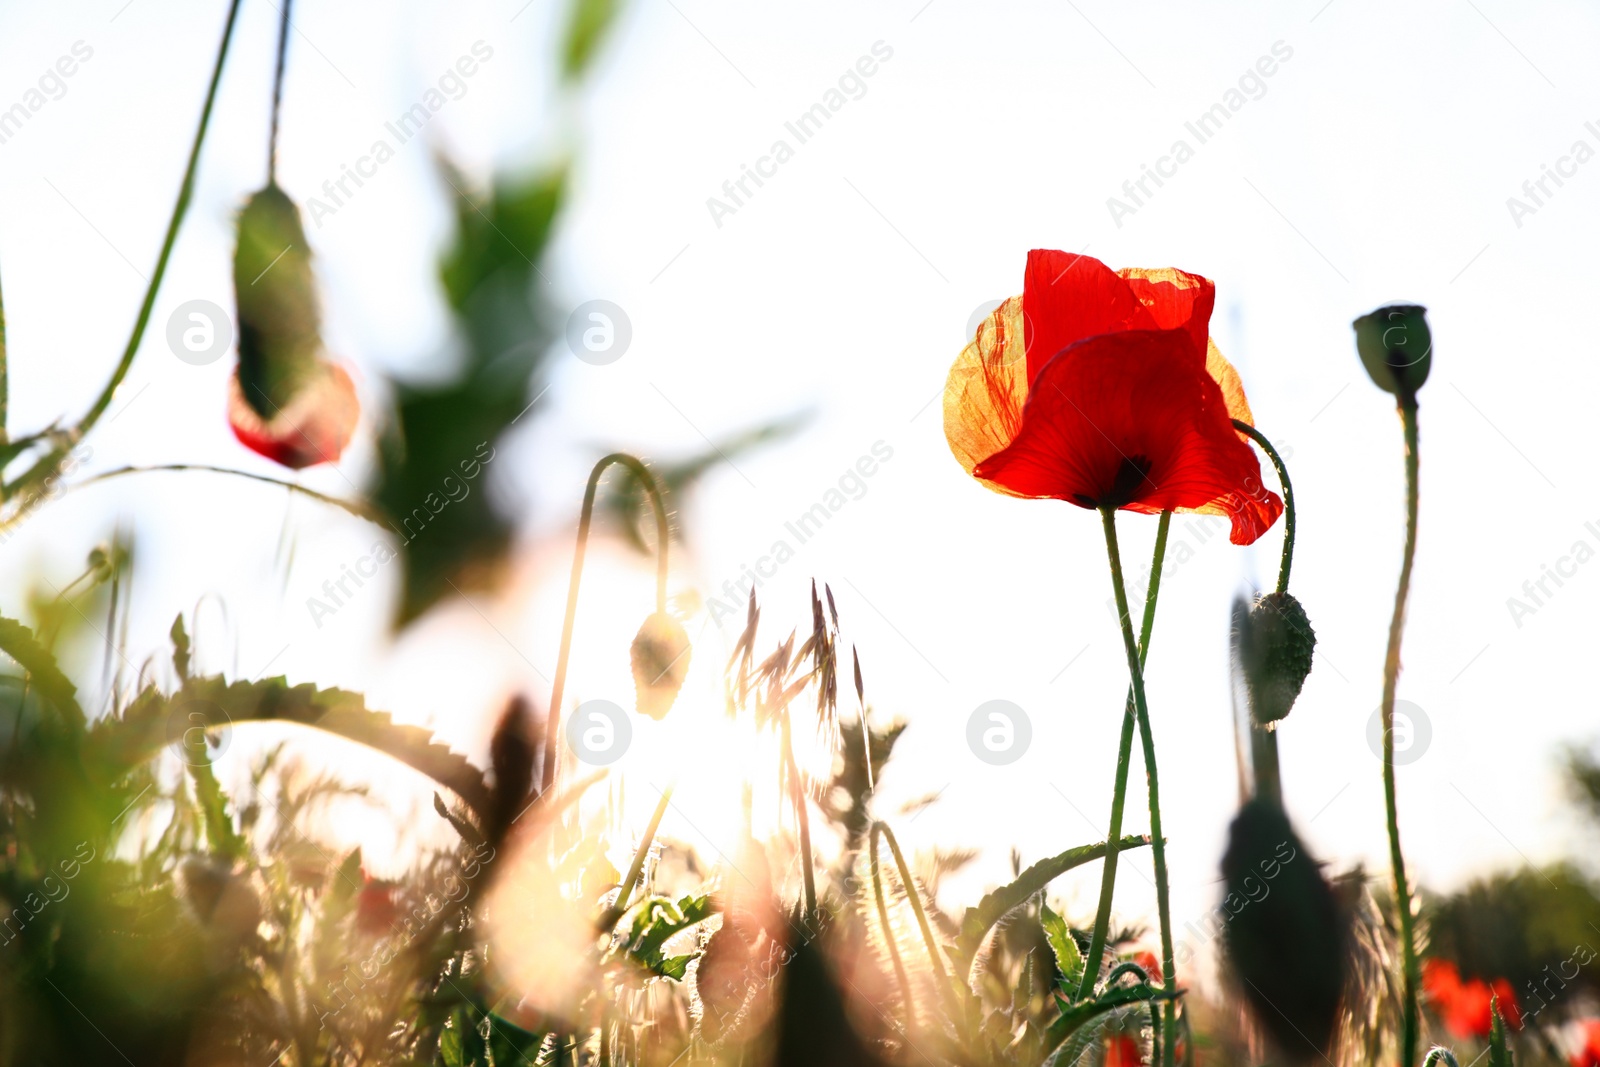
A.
pixel 181 208
pixel 5 389
pixel 636 868
pixel 888 933
pixel 1440 1054
pixel 1288 498
pixel 357 508
pixel 1158 846
pixel 1391 675
pixel 277 92
pixel 1119 793
pixel 585 518
pixel 940 975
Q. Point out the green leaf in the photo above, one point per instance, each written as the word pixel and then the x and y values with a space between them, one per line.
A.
pixel 586 28
pixel 1063 946
pixel 510 1044
pixel 123 743
pixel 996 905
pixel 180 647
pixel 18 642
pixel 655 921
pixel 1074 1016
pixel 1499 1050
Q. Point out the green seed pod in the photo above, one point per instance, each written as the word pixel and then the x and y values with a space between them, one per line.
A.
pixel 280 343
pixel 1275 647
pixel 1396 347
pixel 1285 938
pixel 660 662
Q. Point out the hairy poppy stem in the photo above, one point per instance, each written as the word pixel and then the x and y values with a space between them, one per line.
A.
pixel 1158 845
pixel 1288 498
pixel 5 391
pixel 1391 673
pixel 277 93
pixel 941 978
pixel 1108 871
pixel 585 518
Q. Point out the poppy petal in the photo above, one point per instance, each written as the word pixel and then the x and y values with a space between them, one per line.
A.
pixel 1225 376
pixel 987 387
pixel 1069 297
pixel 314 427
pixel 1175 299
pixel 1133 420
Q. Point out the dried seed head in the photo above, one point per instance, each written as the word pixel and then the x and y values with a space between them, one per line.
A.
pixel 1276 643
pixel 660 662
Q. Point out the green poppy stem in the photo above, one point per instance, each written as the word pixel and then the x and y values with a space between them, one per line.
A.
pixel 277 92
pixel 1108 871
pixel 636 869
pixel 585 518
pixel 1288 499
pixel 1391 673
pixel 1158 846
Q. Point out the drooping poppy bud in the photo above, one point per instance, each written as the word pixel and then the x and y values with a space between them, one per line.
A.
pixel 1275 647
pixel 512 752
pixel 1285 938
pixel 1396 347
pixel 286 400
pixel 660 663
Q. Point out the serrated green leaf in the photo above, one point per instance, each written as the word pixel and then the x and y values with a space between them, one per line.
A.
pixel 1499 1048
pixel 1069 958
pixel 18 642
pixel 994 906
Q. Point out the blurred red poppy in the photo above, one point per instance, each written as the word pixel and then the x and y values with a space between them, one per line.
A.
pixel 313 427
pixel 1101 388
pixel 1151 966
pixel 1463 1004
pixel 1589 1054
pixel 377 906
pixel 1122 1051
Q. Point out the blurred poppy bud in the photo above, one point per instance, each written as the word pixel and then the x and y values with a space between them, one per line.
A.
pixel 1396 347
pixel 286 401
pixel 1285 938
pixel 511 754
pixel 660 662
pixel 1275 646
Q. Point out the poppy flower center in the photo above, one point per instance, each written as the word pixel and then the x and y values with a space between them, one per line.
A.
pixel 1127 485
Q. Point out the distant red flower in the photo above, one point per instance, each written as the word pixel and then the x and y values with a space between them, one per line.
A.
pixel 1150 964
pixel 1589 1054
pixel 377 906
pixel 1463 1004
pixel 314 427
pixel 1123 1051
pixel 1100 388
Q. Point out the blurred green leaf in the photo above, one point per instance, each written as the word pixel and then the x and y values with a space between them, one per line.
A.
pixel 586 28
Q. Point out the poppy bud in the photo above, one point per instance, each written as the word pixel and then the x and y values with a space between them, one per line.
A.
pixel 1275 646
pixel 1396 347
pixel 660 662
pixel 286 400
pixel 1284 938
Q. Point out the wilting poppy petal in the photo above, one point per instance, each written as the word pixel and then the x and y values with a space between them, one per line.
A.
pixel 1174 299
pixel 1068 297
pixel 314 427
pixel 1132 420
pixel 986 390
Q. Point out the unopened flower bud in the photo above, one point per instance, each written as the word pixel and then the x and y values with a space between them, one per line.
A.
pixel 1275 647
pixel 1396 347
pixel 660 662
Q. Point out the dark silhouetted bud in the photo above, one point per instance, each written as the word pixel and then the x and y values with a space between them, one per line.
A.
pixel 660 663
pixel 1396 347
pixel 1275 647
pixel 511 754
pixel 1285 938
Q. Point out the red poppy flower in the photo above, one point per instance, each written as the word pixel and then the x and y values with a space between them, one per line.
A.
pixel 1101 388
pixel 313 427
pixel 1589 1054
pixel 1123 1051
pixel 377 906
pixel 1151 966
pixel 1463 1004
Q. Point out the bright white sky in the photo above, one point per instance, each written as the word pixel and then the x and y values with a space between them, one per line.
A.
pixel 1375 166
